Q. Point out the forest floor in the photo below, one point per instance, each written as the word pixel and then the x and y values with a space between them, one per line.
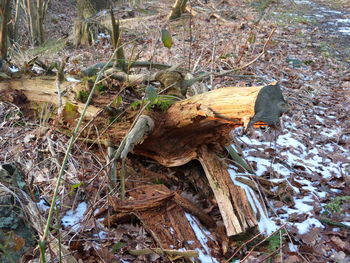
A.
pixel 308 55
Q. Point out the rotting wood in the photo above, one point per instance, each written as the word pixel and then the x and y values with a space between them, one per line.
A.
pixel 156 207
pixel 232 200
pixel 140 205
pixel 202 119
pixel 43 90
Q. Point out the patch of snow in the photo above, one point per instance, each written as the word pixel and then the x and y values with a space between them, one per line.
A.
pixel 346 223
pixel 335 190
pixel 103 35
pixel 101 235
pixel 42 205
pixel 301 206
pixel 37 69
pixel 328 147
pixel 288 140
pixel 74 217
pixel 309 223
pixel 319 119
pixel 13 69
pixel 330 133
pixel 266 225
pixel 172 231
pixel 292 247
pixel 263 164
pixel 202 236
pixel 71 79
pixel 303 2
pixel 344 30
pixel 308 186
pixel 331 117
pixel 330 11
pixel 345 21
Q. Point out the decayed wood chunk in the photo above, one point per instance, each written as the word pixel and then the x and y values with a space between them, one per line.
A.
pixel 162 213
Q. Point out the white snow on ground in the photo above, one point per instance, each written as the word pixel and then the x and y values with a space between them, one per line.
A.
pixel 101 235
pixel 202 236
pixel 71 79
pixel 42 205
pixel 73 218
pixel 265 224
pixel 344 30
pixel 307 225
pixel 297 150
pixel 13 69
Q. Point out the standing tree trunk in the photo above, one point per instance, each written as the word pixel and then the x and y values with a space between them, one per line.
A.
pixel 4 17
pixel 35 11
pixel 178 8
pixel 82 28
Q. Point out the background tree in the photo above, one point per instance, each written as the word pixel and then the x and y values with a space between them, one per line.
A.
pixel 83 30
pixel 35 11
pixel 88 8
pixel 4 18
pixel 178 8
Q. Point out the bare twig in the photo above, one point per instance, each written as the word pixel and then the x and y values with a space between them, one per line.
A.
pixel 239 249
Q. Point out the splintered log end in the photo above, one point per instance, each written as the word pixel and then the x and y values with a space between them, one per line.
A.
pixel 208 118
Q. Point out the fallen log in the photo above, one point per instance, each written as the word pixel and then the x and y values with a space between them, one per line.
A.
pixel 209 118
pixel 196 128
pixel 199 127
pixel 43 90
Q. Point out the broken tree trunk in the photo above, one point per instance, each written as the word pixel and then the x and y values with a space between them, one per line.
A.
pixel 196 128
pixel 207 118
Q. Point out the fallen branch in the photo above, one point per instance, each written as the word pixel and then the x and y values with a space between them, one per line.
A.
pixel 329 221
pixel 159 251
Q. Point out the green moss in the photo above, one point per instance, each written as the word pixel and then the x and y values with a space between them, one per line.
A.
pixel 274 241
pixel 101 88
pixel 83 96
pixel 158 181
pixel 161 102
pixel 336 205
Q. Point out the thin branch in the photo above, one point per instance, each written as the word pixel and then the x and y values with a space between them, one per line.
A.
pixel 43 239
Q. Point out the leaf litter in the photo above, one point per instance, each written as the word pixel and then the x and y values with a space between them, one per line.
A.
pixel 310 154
